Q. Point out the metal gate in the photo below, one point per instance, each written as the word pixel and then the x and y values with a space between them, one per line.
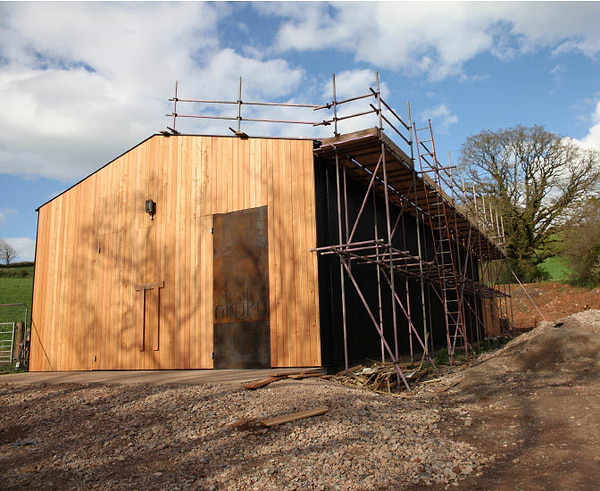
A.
pixel 7 342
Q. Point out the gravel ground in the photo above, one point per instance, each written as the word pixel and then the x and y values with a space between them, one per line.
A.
pixel 190 437
pixel 525 417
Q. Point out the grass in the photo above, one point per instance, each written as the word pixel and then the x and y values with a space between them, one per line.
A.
pixel 558 268
pixel 15 288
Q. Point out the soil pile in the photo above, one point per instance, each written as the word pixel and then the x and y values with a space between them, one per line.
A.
pixel 535 404
pixel 555 300
pixel 571 344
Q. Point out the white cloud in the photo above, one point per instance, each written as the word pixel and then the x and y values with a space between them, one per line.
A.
pixel 557 70
pixel 592 139
pixel 437 38
pixel 24 246
pixel 261 79
pixel 441 117
pixel 82 82
pixel 557 74
pixel 4 213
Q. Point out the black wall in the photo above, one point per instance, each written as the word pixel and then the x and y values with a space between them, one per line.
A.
pixel 363 340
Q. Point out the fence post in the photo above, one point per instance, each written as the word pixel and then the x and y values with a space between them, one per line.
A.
pixel 18 341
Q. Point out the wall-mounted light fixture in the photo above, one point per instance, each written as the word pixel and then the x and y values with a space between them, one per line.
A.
pixel 150 208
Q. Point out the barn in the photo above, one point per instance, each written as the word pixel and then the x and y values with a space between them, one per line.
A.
pixel 199 252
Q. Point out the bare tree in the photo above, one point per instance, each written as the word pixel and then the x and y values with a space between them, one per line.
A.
pixel 7 252
pixel 536 180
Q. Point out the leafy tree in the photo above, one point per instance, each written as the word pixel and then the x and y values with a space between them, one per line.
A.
pixel 7 252
pixel 536 180
pixel 581 244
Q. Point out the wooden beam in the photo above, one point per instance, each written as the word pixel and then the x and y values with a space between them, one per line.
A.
pixel 149 286
pixel 287 418
pixel 261 383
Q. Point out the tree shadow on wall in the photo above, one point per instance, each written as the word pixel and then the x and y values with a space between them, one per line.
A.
pixel 100 322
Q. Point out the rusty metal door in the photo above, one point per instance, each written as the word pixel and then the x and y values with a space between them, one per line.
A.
pixel 241 290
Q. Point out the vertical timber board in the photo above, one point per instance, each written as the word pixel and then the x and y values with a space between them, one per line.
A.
pixel 167 215
pixel 312 358
pixel 151 327
pixel 280 223
pixel 84 303
pixel 302 334
pixel 193 279
pixel 67 249
pixel 267 176
pixel 290 194
pixel 35 358
pixel 45 293
pixel 58 271
pixel 204 293
pixel 90 297
pixel 277 315
pixel 161 251
pixel 290 259
pixel 302 306
pixel 39 357
pixel 62 293
pixel 241 289
pixel 187 166
pixel 489 320
pixel 82 264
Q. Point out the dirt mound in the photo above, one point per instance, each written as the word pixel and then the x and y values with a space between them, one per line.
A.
pixel 555 300
pixel 571 344
pixel 571 340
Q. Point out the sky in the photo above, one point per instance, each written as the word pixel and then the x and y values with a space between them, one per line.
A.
pixel 81 83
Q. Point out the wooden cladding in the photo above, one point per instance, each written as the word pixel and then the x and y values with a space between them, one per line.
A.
pixel 148 318
pixel 96 245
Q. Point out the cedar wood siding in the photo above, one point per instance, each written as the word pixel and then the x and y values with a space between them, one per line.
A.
pixel 95 243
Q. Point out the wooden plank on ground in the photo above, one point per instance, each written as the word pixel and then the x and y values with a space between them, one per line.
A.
pixel 300 372
pixel 453 384
pixel 261 383
pixel 287 418
pixel 305 375
pixel 350 370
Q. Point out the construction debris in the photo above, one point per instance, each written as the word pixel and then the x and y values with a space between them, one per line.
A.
pixel 449 386
pixel 261 383
pixel 300 376
pixel 287 418
pixel 380 377
pixel 246 424
pixel 314 372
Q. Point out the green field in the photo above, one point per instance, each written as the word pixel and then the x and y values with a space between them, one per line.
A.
pixel 16 286
pixel 558 268
pixel 15 290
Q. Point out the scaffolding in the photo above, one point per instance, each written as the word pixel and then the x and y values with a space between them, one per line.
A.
pixel 465 264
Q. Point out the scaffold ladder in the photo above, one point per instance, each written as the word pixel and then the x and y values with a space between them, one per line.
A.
pixel 443 241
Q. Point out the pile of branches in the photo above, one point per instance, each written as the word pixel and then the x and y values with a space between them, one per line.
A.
pixel 381 377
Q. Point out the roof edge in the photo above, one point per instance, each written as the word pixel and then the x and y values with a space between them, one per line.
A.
pixel 166 136
pixel 97 170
